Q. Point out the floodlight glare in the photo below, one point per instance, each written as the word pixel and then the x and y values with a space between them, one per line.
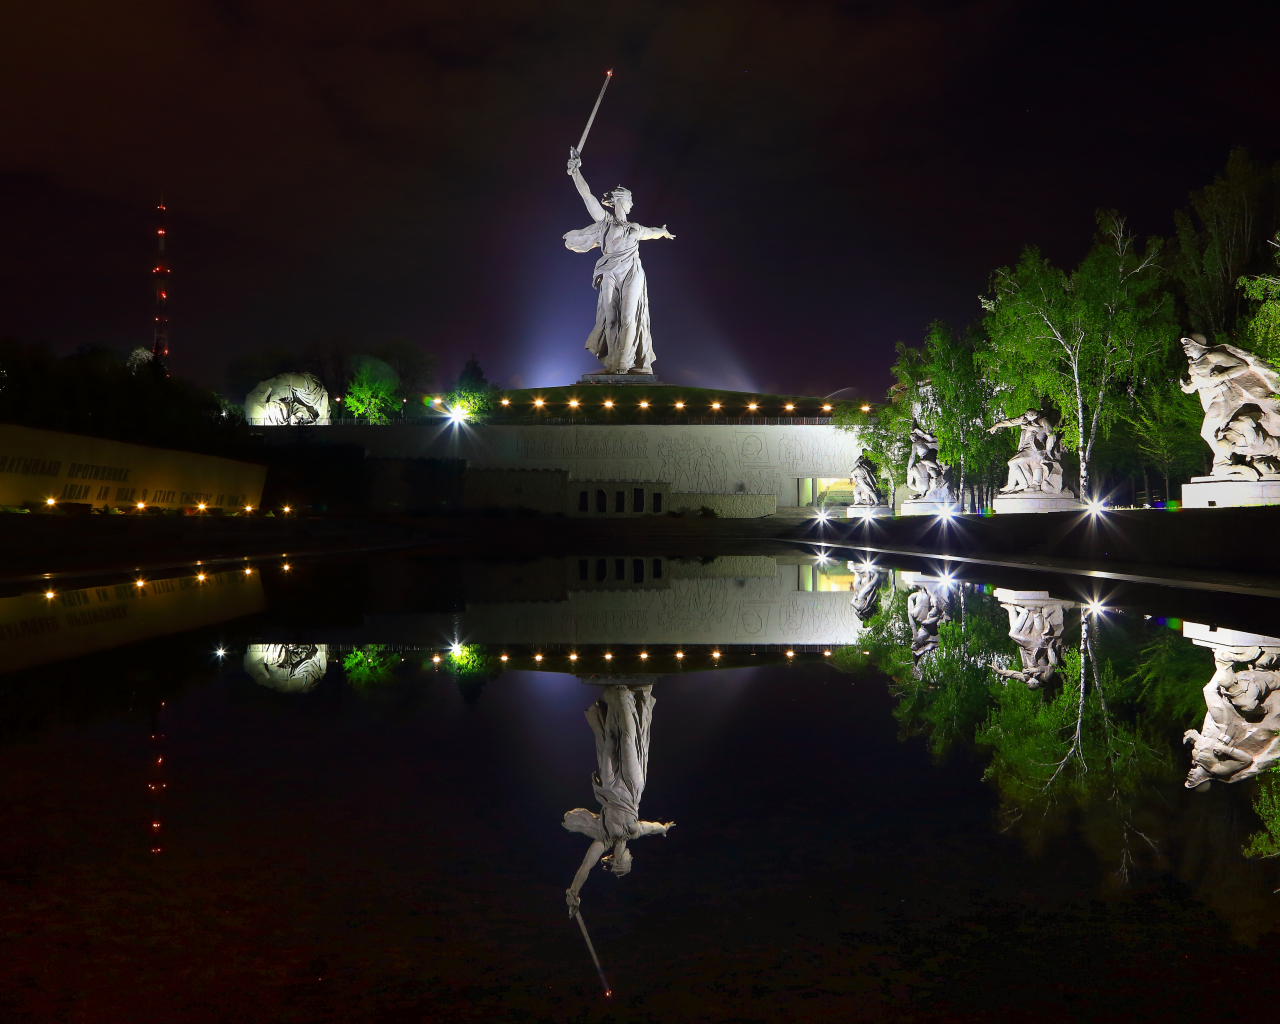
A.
pixel 679 405
pixel 458 414
pixel 1095 506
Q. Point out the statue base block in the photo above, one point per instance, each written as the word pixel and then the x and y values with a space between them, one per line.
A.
pixel 1036 502
pixel 1220 492
pixel 620 378
pixel 920 507
pixel 868 511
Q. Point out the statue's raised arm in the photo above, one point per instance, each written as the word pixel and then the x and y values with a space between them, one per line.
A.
pixel 575 172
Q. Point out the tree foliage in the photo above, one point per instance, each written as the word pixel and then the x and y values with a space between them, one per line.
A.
pixel 370 665
pixel 472 394
pixel 1085 340
pixel 372 394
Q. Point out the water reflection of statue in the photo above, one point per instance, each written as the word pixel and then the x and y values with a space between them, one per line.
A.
pixel 1037 464
pixel 1238 739
pixel 864 479
pixel 866 590
pixel 297 399
pixel 928 606
pixel 928 477
pixel 1036 626
pixel 620 720
pixel 1241 413
pixel 290 668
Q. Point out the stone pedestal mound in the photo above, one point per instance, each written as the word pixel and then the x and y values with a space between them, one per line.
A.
pixel 1036 501
pixel 1223 492
pixel 868 511
pixel 921 507
pixel 620 378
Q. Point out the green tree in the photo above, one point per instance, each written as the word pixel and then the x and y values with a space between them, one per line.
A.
pixel 1218 240
pixel 473 394
pixel 1262 328
pixel 1085 340
pixel 370 665
pixel 1266 804
pixel 371 394
pixel 1166 427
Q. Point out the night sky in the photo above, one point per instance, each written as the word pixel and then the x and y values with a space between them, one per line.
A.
pixel 837 175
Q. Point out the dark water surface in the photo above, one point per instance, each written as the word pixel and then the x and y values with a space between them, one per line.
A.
pixel 859 836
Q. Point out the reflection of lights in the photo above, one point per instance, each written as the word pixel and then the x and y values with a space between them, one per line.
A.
pixel 201 577
pixel 435 659
pixel 679 405
pixel 644 405
pixel 49 594
pixel 608 657
pixel 826 654
pixel 457 414
pixel 573 403
pixel 791 654
pixel 506 401
pixel 50 501
pixel 752 406
pixel 1095 506
pixel 715 405
pixel 679 654
pixel 715 654
pixel 866 408
pixel 288 509
pixel 538 402
pixel 537 657
pixel 573 657
pixel 140 583
pixel 644 655
pixel 286 567
pixel 455 649
pixel 222 652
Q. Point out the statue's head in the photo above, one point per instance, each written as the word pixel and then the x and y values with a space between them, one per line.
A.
pixel 619 862
pixel 619 199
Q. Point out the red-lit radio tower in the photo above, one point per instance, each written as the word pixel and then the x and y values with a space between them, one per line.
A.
pixel 160 348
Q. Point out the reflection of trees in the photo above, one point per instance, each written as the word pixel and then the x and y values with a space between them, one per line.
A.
pixel 370 665
pixel 471 666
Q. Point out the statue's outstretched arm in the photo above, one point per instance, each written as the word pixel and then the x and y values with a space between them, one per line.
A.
pixel 588 862
pixel 1003 423
pixel 593 204
pixel 655 828
pixel 661 232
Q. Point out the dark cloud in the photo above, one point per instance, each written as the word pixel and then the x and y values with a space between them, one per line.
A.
pixel 837 174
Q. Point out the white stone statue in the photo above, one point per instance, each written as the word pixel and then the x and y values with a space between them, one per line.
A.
pixel 291 399
pixel 620 720
pixel 928 607
pixel 865 477
pixel 1238 739
pixel 1036 467
pixel 865 588
pixel 1036 624
pixel 928 477
pixel 290 668
pixel 1241 413
pixel 621 337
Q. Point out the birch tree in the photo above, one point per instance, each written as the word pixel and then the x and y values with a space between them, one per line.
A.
pixel 1087 340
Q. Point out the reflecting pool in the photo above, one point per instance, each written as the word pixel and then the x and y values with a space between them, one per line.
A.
pixel 631 786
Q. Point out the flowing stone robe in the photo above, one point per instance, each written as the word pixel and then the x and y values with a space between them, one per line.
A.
pixel 621 337
pixel 620 720
pixel 1241 413
pixel 1239 736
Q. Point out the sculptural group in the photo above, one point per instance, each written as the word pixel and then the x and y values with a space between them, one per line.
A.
pixel 1036 624
pixel 865 479
pixel 291 399
pixel 1036 467
pixel 1238 738
pixel 926 476
pixel 1237 391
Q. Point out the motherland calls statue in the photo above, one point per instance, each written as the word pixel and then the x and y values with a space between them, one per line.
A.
pixel 1238 739
pixel 1036 623
pixel 1241 412
pixel 621 337
pixel 928 477
pixel 620 720
pixel 864 477
pixel 1036 467
pixel 291 399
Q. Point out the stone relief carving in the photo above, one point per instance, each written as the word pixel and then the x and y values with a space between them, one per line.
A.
pixel 582 443
pixel 865 479
pixel 817 454
pixel 621 722
pixel 1238 739
pixel 1237 391
pixel 1036 467
pixel 928 477
pixel 694 464
pixel 289 668
pixel 1036 623
pixel 291 399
